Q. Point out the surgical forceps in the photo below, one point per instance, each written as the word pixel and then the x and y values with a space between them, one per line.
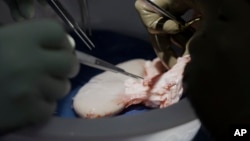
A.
pixel 85 58
pixel 169 15
pixel 69 20
pixel 94 62
pixel 186 33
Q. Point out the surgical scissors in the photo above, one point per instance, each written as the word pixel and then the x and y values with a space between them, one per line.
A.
pixel 69 20
pixel 85 58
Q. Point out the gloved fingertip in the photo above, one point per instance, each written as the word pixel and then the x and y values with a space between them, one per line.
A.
pixel 171 27
pixel 76 67
pixel 75 70
pixel 71 41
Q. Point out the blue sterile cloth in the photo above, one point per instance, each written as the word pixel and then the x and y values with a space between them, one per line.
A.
pixel 114 48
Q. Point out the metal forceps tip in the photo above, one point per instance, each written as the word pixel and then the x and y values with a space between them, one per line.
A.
pixel 97 63
pixel 69 20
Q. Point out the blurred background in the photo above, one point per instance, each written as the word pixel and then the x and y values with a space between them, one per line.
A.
pixel 113 15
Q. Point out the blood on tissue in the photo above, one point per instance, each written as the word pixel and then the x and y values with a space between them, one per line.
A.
pixel 165 104
pixel 93 116
pixel 150 82
pixel 169 86
pixel 135 92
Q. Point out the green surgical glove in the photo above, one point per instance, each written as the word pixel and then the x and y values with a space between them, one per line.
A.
pixel 22 9
pixel 36 61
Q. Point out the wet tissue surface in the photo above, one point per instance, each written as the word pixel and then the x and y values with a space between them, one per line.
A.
pixel 114 48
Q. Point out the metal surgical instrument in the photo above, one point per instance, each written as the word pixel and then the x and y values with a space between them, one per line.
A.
pixel 186 30
pixel 69 20
pixel 178 20
pixel 84 58
pixel 94 62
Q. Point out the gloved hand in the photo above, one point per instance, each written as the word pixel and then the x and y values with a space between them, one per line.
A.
pixel 161 29
pixel 216 80
pixel 36 61
pixel 22 9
